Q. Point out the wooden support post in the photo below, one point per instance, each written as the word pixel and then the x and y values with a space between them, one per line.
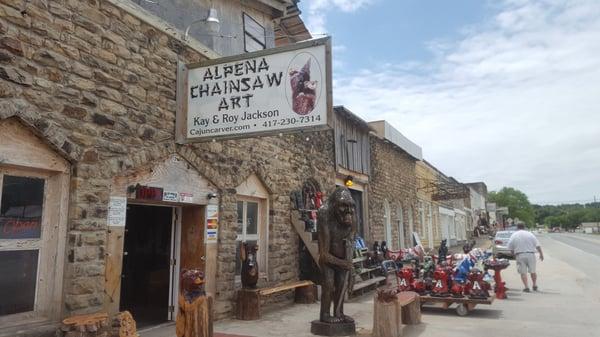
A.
pixel 248 304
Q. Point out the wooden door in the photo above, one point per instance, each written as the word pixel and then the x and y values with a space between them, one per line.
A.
pixel 192 255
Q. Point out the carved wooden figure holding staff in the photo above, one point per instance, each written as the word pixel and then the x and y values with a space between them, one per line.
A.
pixel 337 226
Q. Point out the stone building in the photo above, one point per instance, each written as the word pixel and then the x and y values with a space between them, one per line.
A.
pixel 428 207
pixel 451 200
pixel 101 206
pixel 393 196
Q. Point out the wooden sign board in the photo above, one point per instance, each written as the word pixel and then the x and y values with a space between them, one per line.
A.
pixel 261 93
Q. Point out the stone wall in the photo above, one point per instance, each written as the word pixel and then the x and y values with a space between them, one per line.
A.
pixel 99 85
pixel 393 179
pixel 283 164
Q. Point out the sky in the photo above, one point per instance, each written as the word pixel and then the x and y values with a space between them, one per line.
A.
pixel 506 92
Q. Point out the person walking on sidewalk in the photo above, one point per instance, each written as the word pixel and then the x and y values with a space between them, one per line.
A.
pixel 523 245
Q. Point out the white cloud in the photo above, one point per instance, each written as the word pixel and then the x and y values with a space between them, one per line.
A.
pixel 515 101
pixel 316 15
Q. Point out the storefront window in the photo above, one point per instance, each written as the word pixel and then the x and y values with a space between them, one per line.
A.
pixel 18 282
pixel 21 205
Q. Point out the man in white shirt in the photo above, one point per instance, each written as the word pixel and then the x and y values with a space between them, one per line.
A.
pixel 523 245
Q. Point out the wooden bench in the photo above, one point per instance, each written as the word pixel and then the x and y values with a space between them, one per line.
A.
pixel 248 300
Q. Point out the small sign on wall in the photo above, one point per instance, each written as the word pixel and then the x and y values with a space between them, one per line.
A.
pixel 170 196
pixel 186 197
pixel 212 223
pixel 117 210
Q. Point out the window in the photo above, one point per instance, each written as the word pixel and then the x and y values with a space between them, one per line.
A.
pixel 411 227
pixel 34 189
pixel 387 223
pixel 21 204
pixel 248 223
pixel 254 34
pixel 429 226
pixel 400 220
pixel 423 224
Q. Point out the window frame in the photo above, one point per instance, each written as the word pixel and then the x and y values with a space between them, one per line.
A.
pixel 48 276
pixel 261 236
pixel 400 226
pixel 387 224
pixel 248 34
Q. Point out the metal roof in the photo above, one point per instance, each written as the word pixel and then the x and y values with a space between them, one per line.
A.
pixel 385 130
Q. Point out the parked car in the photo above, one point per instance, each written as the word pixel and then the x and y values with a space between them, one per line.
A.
pixel 500 247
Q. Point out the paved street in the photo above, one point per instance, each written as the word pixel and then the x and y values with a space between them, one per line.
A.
pixel 566 305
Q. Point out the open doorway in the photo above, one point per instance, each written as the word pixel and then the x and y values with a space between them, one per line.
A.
pixel 146 276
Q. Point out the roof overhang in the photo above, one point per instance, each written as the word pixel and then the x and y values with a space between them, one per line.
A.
pixel 342 111
pixel 290 28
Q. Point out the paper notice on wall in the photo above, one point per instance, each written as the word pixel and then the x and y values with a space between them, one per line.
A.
pixel 212 211
pixel 212 223
pixel 186 197
pixel 117 210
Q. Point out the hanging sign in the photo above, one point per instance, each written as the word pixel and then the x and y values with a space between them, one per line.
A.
pixel 261 93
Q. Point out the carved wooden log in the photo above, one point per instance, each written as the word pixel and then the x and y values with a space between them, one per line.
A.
pixel 195 319
pixel 389 315
pixel 124 325
pixel 248 304
pixel 387 318
pixel 85 323
pixel 306 294
pixel 411 307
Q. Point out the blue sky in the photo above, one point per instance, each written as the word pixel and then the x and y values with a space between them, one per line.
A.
pixel 505 91
pixel 393 31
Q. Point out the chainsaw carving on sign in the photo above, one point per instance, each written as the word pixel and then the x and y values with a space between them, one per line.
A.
pixel 303 90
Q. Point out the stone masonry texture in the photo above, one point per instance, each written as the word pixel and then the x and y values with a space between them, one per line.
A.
pixel 393 179
pixel 99 86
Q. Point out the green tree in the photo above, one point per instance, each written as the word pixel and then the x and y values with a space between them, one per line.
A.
pixel 517 202
pixel 567 215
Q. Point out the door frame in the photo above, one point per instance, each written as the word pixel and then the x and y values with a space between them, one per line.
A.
pixel 175 263
pixel 175 254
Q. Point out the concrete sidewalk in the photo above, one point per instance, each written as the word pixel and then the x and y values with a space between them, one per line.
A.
pixel 567 305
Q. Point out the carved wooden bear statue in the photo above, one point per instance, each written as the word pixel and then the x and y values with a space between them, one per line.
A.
pixel 249 264
pixel 192 284
pixel 194 317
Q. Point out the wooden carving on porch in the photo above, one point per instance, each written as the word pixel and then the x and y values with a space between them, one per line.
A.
pixel 249 259
pixel 337 227
pixel 194 316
